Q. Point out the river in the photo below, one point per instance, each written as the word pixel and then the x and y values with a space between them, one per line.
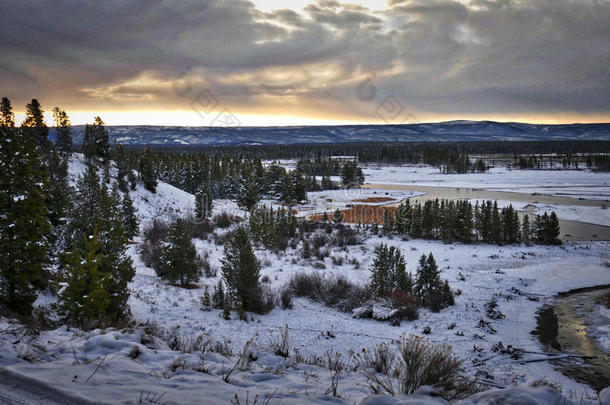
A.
pixel 563 327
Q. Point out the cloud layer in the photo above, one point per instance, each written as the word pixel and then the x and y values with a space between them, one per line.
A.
pixel 431 58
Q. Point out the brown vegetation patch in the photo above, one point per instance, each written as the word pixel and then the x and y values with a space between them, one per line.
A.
pixel 362 213
pixel 374 199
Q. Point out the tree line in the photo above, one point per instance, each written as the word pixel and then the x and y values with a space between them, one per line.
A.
pixel 244 180
pixel 459 220
pixel 433 153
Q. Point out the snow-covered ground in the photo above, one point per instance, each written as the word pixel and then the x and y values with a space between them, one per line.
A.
pixel 569 183
pixel 129 366
pixel 328 201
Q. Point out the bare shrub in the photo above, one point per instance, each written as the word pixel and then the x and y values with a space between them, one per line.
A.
pixel 307 285
pixel 151 255
pixel 380 359
pixel 206 267
pixel 286 298
pixel 281 343
pixel 156 231
pixel 220 239
pixel 424 364
pixel 262 301
pixel 200 229
pixel 336 260
pixel 154 236
pixel 334 292
pixel 406 304
pixel 255 400
pixel 345 236
pixel 224 220
pixel 318 240
pixel 419 363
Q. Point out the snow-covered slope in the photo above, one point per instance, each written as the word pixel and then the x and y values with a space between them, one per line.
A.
pixel 166 204
pixel 133 366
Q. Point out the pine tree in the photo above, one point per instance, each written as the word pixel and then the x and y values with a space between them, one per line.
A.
pixel 496 225
pixel 106 171
pixel 248 195
pixel 102 142
pixel 7 116
pixel 388 222
pixel 122 167
pixel 526 231
pixel 179 260
pixel 206 299
pixel 34 123
pixel 337 216
pixel 428 283
pixel 552 230
pixel 147 171
pixel 133 180
pixel 96 208
pixel 218 297
pixel 203 202
pixel 24 223
pixel 128 212
pixel 83 300
pixel 88 148
pixel 389 272
pixel 241 269
pixel 63 143
pixel 403 214
pixel 58 199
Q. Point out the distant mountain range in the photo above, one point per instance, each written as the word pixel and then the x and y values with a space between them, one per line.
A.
pixel 451 131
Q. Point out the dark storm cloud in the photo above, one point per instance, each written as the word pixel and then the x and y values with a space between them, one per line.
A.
pixel 439 56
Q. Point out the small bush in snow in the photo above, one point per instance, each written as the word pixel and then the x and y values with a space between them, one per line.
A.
pixel 281 343
pixel 286 298
pixel 200 229
pixel 224 220
pixel 156 231
pixel 380 359
pixel 334 292
pixel 424 364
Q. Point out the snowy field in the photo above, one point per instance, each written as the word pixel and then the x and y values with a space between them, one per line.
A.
pixel 328 201
pixel 130 366
pixel 568 183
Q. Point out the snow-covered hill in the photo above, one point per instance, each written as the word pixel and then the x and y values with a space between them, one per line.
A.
pixel 460 131
pixel 134 365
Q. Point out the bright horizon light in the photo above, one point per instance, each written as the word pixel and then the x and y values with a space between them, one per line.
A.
pixel 192 119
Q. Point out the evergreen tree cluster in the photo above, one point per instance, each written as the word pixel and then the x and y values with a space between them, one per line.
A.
pixel 102 212
pixel 389 272
pixel 432 153
pixel 180 263
pixel 46 236
pixel 25 223
pixel 389 278
pixel 272 229
pixel 458 220
pixel 244 180
pixel 96 144
pixel 566 161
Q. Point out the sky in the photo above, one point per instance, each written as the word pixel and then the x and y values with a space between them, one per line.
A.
pixel 308 62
